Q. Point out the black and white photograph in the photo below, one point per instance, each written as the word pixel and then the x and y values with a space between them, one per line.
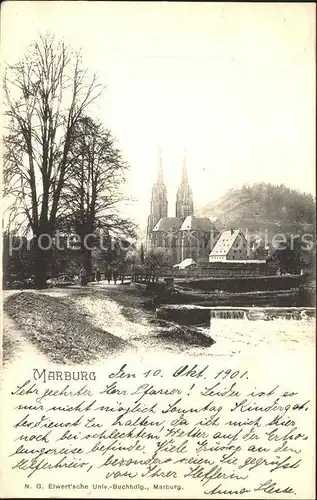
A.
pixel 158 249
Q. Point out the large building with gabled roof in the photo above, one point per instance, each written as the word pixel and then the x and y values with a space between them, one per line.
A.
pixel 183 236
pixel 231 245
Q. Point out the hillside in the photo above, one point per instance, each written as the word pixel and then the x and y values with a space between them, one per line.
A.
pixel 263 207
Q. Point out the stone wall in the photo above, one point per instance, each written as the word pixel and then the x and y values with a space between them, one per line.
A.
pixel 245 283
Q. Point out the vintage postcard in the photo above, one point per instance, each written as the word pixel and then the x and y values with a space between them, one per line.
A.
pixel 158 250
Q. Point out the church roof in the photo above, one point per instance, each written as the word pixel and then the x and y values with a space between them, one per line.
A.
pixel 225 242
pixel 168 224
pixel 217 223
pixel 192 223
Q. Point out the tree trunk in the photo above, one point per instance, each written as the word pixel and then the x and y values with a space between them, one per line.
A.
pixel 43 253
pixel 40 265
pixel 87 262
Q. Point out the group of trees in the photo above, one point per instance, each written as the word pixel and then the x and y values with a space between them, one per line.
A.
pixel 62 170
pixel 265 210
pixel 148 265
pixel 263 206
pixel 135 262
pixel 127 259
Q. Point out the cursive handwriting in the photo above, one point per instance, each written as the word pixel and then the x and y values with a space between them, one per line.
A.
pixel 186 424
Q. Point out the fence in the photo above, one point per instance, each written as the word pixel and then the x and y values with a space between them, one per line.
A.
pixel 223 269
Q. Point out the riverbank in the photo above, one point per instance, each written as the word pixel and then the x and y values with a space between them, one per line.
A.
pixel 85 325
pixel 88 325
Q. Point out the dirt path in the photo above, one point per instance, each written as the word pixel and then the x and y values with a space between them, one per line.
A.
pixel 127 323
pixel 106 313
pixel 136 328
pixel 103 312
pixel 15 346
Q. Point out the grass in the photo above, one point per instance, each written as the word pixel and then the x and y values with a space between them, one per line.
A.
pixel 59 330
pixel 174 334
pixel 133 304
pixel 8 348
pixel 132 314
pixel 133 297
pixel 164 332
pixel 66 331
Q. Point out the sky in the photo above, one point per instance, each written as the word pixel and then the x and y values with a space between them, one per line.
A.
pixel 230 85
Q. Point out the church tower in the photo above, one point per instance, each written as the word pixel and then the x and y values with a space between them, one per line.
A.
pixel 158 200
pixel 184 197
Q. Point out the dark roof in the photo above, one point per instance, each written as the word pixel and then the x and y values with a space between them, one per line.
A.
pixel 217 223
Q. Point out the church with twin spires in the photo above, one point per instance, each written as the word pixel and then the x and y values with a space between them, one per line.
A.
pixel 183 236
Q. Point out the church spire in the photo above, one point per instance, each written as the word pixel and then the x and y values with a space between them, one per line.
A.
pixel 184 198
pixel 160 168
pixel 159 198
pixel 184 170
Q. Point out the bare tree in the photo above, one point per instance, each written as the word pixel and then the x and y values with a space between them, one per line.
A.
pixel 46 95
pixel 92 190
